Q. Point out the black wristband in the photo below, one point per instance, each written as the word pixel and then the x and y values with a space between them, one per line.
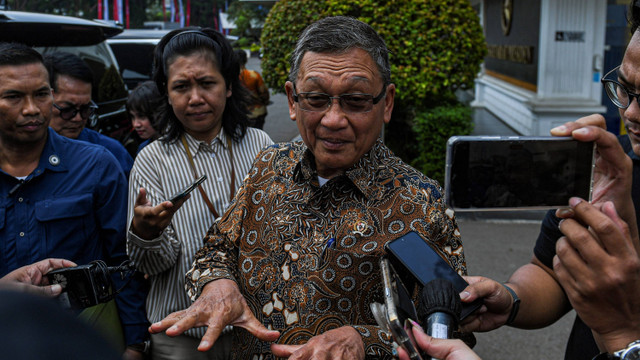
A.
pixel 142 347
pixel 515 306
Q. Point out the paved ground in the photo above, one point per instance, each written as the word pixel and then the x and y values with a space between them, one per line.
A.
pixel 493 247
pixel 277 124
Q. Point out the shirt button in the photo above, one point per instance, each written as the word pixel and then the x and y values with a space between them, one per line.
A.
pixel 21 234
pixel 20 199
pixel 213 155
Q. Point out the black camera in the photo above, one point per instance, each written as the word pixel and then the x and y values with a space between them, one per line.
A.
pixel 86 285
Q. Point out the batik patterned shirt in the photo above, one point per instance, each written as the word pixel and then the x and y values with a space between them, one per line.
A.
pixel 272 242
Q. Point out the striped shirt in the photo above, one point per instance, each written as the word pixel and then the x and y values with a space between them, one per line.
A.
pixel 162 170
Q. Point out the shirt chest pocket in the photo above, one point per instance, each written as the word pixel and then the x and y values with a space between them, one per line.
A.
pixel 67 222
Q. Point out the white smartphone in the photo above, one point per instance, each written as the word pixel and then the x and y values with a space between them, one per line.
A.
pixel 398 310
pixel 516 172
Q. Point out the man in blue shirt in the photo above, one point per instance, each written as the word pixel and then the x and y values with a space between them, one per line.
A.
pixel 58 197
pixel 71 80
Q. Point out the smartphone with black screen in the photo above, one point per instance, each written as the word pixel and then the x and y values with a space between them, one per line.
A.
pixel 516 173
pixel 416 261
pixel 189 188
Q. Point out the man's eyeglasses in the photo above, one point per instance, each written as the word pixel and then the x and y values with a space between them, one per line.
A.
pixel 86 111
pixel 619 95
pixel 350 103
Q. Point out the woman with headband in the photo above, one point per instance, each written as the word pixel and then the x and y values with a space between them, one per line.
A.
pixel 203 131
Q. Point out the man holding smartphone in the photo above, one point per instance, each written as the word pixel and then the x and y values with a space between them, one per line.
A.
pixel 544 296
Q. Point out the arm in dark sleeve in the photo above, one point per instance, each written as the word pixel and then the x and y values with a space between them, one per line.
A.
pixel 111 214
pixel 545 248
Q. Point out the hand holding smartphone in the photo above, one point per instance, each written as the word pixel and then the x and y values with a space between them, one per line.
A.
pixel 184 192
pixel 418 263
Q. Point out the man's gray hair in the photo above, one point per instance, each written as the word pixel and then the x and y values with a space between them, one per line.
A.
pixel 340 34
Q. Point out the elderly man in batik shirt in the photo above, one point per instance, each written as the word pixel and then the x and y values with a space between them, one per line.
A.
pixel 267 266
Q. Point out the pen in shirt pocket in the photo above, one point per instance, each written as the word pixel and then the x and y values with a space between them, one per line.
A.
pixel 331 244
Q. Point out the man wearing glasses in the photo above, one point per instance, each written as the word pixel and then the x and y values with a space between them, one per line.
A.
pixel 71 80
pixel 60 197
pixel 606 296
pixel 295 259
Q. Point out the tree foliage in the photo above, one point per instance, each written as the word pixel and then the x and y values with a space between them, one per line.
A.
pixel 202 12
pixel 248 19
pixel 436 45
pixel 285 22
pixel 433 127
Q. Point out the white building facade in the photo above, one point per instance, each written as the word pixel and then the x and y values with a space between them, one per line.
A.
pixel 544 64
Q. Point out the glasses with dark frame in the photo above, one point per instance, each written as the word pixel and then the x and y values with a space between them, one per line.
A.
pixel 354 103
pixel 86 111
pixel 619 95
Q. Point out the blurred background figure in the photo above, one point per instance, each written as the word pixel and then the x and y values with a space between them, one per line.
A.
pixel 71 80
pixel 259 92
pixel 142 109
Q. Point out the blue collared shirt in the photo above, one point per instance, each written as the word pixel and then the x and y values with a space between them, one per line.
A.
pixel 118 150
pixel 72 206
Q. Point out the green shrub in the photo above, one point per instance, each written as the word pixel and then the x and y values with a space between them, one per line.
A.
pixel 242 42
pixel 254 48
pixel 281 29
pixel 436 45
pixel 433 128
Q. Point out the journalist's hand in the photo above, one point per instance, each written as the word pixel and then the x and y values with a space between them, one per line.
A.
pixel 341 343
pixel 31 278
pixel 220 304
pixel 599 269
pixel 612 177
pixel 149 221
pixel 496 308
pixel 444 349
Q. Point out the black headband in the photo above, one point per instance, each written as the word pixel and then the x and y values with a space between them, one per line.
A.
pixel 216 47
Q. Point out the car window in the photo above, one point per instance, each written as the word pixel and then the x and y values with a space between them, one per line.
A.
pixel 135 58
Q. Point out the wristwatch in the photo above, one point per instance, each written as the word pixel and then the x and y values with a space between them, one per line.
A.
pixel 514 307
pixel 142 347
pixel 631 352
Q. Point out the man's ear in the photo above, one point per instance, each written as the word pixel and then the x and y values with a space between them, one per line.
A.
pixel 288 88
pixel 388 102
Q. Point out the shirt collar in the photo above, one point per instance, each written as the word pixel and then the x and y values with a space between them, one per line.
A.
pixel 54 157
pixel 195 145
pixel 362 174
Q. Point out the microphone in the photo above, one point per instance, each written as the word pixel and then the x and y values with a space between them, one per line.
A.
pixel 439 307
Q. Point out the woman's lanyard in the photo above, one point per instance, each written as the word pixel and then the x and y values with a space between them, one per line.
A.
pixel 195 174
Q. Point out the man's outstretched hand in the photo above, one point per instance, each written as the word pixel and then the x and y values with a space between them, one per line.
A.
pixel 220 304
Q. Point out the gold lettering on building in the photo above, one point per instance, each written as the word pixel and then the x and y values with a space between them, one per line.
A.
pixel 515 53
